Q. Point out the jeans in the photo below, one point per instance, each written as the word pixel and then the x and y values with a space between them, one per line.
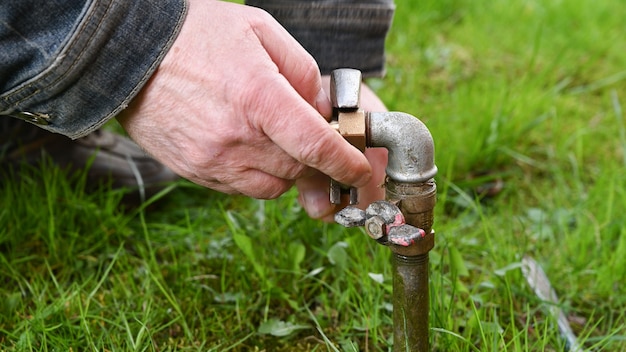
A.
pixel 70 65
pixel 337 33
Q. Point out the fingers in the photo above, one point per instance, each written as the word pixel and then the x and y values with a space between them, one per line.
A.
pixel 294 63
pixel 252 183
pixel 314 197
pixel 314 190
pixel 374 190
pixel 268 158
pixel 301 132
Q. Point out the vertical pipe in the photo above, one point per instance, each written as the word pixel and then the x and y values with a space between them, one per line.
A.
pixel 410 185
pixel 411 299
pixel 410 303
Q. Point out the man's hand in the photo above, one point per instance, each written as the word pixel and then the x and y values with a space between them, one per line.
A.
pixel 237 105
pixel 314 190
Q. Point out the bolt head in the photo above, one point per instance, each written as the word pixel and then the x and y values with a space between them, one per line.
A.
pixel 375 227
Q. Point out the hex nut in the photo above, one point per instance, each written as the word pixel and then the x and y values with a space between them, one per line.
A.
pixel 375 227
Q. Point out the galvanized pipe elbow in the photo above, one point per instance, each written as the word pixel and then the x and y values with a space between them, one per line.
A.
pixel 409 142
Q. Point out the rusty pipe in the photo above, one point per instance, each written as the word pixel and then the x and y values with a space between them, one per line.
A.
pixel 411 297
pixel 404 221
pixel 410 303
pixel 410 185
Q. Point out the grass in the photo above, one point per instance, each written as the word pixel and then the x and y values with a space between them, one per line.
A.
pixel 529 93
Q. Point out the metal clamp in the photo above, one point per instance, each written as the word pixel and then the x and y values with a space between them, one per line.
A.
pixel 348 119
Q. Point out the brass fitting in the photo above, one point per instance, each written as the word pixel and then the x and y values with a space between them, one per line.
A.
pixel 348 120
pixel 351 125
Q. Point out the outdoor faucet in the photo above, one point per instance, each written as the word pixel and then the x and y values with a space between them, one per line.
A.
pixel 403 221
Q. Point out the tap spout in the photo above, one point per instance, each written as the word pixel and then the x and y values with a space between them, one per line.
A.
pixel 409 143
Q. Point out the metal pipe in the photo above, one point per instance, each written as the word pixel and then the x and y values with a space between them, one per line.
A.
pixel 404 221
pixel 410 185
pixel 410 303
pixel 409 142
pixel 411 298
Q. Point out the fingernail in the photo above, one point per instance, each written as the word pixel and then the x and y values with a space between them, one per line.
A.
pixel 316 203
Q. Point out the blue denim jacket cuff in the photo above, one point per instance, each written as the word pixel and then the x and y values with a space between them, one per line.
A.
pixel 113 50
pixel 337 33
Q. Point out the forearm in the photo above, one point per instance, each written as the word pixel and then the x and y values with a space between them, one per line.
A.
pixel 76 64
pixel 337 33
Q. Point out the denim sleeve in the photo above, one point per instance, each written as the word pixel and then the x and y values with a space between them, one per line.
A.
pixel 337 33
pixel 71 65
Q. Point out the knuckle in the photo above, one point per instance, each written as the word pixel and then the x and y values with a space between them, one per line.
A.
pixel 262 109
pixel 201 161
pixel 251 93
pixel 295 170
pixel 258 16
pixel 310 71
pixel 314 154
pixel 271 190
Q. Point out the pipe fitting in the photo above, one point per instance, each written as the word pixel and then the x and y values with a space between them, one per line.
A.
pixel 409 142
pixel 410 185
pixel 415 200
pixel 422 246
pixel 403 222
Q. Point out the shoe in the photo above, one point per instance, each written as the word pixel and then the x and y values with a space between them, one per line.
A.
pixel 109 157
